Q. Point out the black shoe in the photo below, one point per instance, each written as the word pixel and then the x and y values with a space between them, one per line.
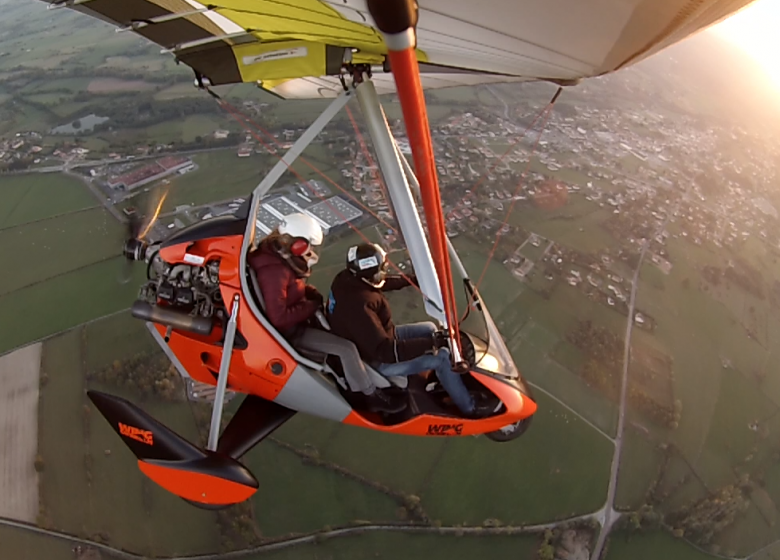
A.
pixel 380 401
pixel 484 409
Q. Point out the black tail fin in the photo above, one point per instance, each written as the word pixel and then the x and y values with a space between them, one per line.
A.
pixel 197 475
pixel 147 438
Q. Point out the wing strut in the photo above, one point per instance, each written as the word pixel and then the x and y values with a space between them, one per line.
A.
pixel 401 199
pixel 396 20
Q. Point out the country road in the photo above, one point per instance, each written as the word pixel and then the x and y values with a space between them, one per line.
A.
pixel 98 162
pixel 97 193
pixel 570 409
pixel 610 515
pixel 310 538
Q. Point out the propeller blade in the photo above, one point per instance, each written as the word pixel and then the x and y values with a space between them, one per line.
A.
pixel 126 272
pixel 134 225
pixel 155 207
pixel 134 245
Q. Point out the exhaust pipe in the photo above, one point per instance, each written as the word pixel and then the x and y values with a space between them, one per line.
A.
pixel 171 318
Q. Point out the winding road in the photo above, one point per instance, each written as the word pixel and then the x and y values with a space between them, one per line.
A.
pixel 310 538
pixel 610 514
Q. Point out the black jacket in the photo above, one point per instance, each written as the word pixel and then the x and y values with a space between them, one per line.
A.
pixel 361 313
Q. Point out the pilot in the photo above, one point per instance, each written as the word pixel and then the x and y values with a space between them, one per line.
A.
pixel 282 262
pixel 359 311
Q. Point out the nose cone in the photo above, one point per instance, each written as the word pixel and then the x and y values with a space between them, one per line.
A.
pixel 134 249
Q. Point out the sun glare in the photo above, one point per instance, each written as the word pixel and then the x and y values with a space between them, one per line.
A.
pixel 755 30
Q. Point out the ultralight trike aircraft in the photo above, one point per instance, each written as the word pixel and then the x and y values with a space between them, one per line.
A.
pixel 202 302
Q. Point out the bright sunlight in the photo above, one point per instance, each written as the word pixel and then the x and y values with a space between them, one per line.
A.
pixel 755 30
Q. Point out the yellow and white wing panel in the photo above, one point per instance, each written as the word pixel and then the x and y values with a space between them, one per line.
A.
pixel 296 48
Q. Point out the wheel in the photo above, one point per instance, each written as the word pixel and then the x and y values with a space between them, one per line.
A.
pixel 510 432
pixel 211 507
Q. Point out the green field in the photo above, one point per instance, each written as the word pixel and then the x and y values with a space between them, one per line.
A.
pixel 535 330
pixel 576 224
pixel 113 338
pixel 223 175
pixel 57 246
pixel 65 253
pixel 739 403
pixel 220 175
pixel 19 544
pixel 700 333
pixel 638 470
pixel 400 462
pixel 185 130
pixel 52 99
pixel 177 91
pixel 702 330
pixel 65 301
pixel 651 546
pixel 68 109
pixel 70 84
pixel 112 494
pixel 391 546
pixel 28 198
pixel 63 482
pixel 120 495
pixel 558 469
pixel 317 498
pixel 772 553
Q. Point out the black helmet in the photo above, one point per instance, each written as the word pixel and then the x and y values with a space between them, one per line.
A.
pixel 368 261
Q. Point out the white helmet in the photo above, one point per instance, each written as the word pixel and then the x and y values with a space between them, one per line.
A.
pixel 302 225
pixel 304 234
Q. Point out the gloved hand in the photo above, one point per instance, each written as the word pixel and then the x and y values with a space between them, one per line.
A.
pixel 317 298
pixel 440 339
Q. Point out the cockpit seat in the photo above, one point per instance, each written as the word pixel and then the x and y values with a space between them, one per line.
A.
pixel 323 345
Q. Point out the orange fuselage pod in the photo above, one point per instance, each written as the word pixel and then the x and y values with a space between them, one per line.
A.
pixel 517 404
pixel 260 365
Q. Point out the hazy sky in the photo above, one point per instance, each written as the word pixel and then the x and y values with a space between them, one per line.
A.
pixel 757 30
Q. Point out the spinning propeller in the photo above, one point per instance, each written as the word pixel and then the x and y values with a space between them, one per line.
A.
pixel 138 227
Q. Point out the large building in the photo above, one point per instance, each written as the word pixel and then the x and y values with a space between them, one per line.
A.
pixel 335 211
pixel 148 173
pixel 329 213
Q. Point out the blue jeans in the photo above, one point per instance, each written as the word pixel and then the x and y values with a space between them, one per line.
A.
pixel 439 362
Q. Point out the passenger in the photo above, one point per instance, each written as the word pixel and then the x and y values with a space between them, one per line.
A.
pixel 282 262
pixel 359 311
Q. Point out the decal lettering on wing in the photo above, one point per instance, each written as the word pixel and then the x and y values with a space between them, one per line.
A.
pixel 144 436
pixel 445 429
pixel 296 52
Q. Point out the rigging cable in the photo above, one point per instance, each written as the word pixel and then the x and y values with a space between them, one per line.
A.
pixel 335 210
pixel 247 123
pixel 406 74
pixel 547 113
pixel 372 165
pixel 509 150
pixel 228 107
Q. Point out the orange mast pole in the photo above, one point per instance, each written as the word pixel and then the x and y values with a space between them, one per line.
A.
pixel 396 19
